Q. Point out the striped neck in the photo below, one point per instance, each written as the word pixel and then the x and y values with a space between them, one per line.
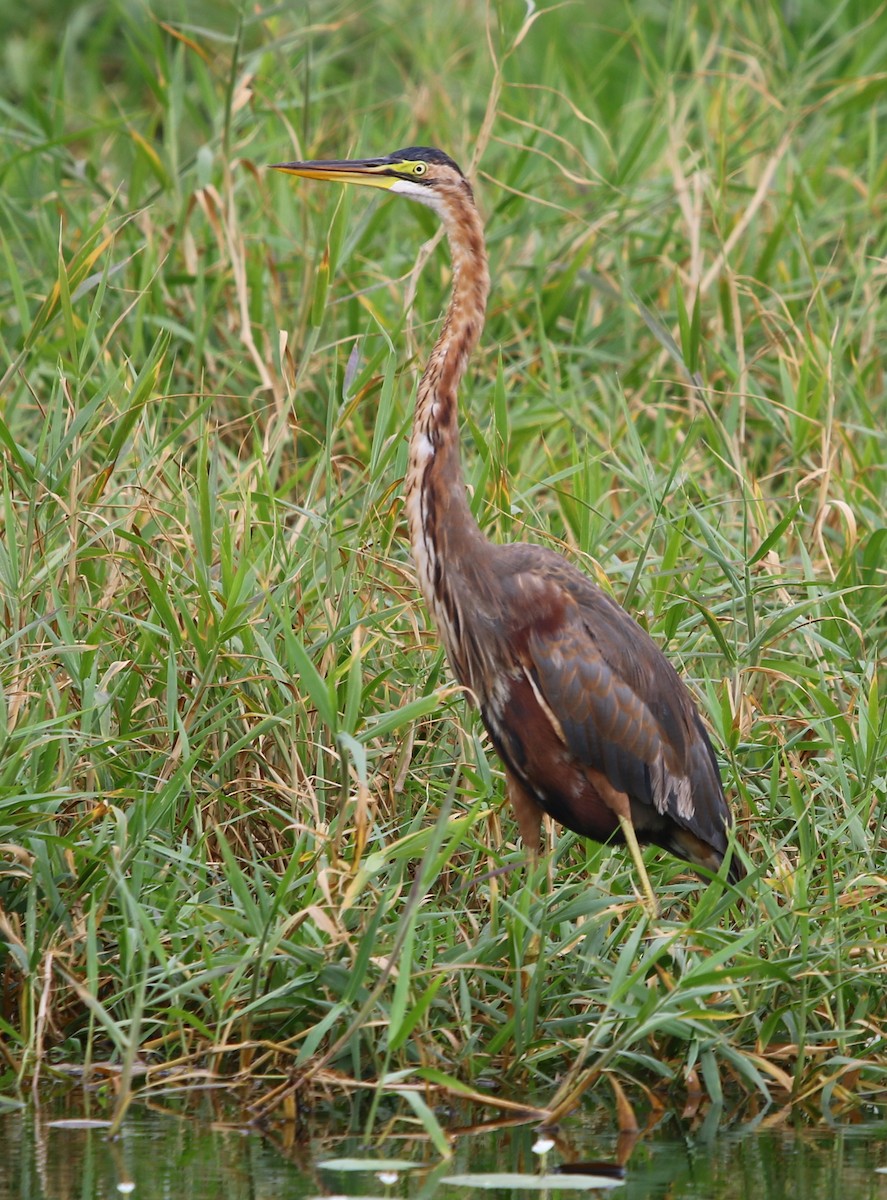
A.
pixel 442 528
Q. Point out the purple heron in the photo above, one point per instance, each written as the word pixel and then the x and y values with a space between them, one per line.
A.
pixel 592 723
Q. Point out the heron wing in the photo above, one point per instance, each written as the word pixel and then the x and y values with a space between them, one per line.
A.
pixel 621 707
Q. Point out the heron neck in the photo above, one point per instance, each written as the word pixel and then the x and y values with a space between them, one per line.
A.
pixel 442 528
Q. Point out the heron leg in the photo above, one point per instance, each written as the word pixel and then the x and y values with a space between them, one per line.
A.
pixel 528 813
pixel 631 841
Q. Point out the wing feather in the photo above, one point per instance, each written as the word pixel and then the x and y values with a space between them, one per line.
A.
pixel 621 706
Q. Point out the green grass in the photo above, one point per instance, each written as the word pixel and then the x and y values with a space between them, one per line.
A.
pixel 236 780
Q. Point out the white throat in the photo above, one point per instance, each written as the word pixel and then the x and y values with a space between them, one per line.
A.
pixel 418 191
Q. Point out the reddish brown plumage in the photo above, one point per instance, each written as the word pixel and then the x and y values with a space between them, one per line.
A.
pixel 592 723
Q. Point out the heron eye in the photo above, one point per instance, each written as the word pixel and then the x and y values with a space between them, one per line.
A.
pixel 419 168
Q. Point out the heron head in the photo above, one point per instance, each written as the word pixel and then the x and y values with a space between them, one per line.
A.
pixel 418 172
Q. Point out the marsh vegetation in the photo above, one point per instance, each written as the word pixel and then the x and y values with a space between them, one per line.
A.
pixel 249 828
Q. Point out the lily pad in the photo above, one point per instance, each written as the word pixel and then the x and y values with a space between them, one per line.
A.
pixel 532 1183
pixel 78 1123
pixel 369 1164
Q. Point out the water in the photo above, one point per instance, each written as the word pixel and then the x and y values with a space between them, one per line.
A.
pixel 160 1155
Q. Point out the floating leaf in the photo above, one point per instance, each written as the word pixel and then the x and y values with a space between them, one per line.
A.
pixel 368 1164
pixel 532 1183
pixel 78 1123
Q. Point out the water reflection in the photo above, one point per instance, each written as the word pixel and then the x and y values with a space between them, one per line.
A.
pixel 155 1156
pixel 160 1154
